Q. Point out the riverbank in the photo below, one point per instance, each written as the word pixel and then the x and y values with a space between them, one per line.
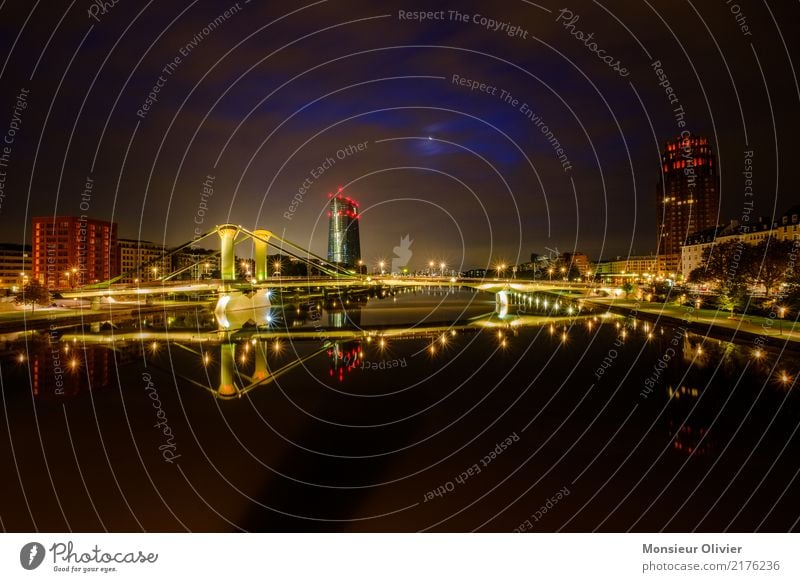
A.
pixel 45 317
pixel 710 322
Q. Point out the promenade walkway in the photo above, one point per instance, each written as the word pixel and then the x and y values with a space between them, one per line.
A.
pixel 712 321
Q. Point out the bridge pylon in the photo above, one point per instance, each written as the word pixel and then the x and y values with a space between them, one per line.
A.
pixel 227 234
pixel 260 243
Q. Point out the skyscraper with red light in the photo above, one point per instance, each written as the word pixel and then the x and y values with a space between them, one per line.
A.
pixel 344 244
pixel 688 196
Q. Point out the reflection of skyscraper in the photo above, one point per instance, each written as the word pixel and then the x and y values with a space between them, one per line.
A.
pixel 344 245
pixel 344 357
pixel 688 197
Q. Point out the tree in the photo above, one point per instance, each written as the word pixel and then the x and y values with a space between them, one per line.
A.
pixel 732 297
pixel 628 288
pixel 34 293
pixel 767 263
pixel 722 263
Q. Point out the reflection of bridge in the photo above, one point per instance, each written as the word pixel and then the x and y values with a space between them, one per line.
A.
pixel 252 357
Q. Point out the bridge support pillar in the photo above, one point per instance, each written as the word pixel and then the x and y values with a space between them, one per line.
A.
pixel 261 253
pixel 227 351
pixel 261 370
pixel 227 233
pixel 501 303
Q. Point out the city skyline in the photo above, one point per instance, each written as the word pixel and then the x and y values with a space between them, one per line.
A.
pixel 67 242
pixel 431 123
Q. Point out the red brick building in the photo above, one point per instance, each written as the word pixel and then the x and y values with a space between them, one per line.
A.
pixel 71 251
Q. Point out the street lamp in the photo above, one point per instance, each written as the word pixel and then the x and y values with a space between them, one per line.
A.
pixel 441 269
pixel 550 272
pixel 563 271
pixel 381 264
pixel 430 268
pixel 781 314
pixel 155 273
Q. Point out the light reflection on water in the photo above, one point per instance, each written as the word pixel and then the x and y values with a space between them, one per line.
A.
pixel 340 394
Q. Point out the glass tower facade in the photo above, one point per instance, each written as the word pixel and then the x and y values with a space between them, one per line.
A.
pixel 344 245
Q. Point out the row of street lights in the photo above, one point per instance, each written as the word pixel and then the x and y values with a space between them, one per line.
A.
pixel 431 266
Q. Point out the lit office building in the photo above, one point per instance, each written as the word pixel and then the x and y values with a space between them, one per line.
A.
pixel 344 246
pixel 688 196
pixel 15 265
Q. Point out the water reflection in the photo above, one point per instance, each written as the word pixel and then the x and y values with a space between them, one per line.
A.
pixel 62 372
pixel 269 339
pixel 344 358
pixel 318 372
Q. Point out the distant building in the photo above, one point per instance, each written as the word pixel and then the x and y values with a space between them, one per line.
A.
pixel 476 273
pixel 577 261
pixel 631 266
pixel 344 244
pixel 787 227
pixel 688 196
pixel 196 263
pixel 142 260
pixel 71 251
pixel 529 268
pixel 15 265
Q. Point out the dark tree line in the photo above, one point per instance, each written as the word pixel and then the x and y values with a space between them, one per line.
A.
pixel 733 266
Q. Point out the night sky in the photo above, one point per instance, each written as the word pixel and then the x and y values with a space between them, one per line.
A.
pixel 262 98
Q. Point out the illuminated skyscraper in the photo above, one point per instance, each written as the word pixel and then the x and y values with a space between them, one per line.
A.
pixel 344 246
pixel 688 196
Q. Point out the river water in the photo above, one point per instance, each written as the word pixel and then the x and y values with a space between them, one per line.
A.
pixel 423 410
